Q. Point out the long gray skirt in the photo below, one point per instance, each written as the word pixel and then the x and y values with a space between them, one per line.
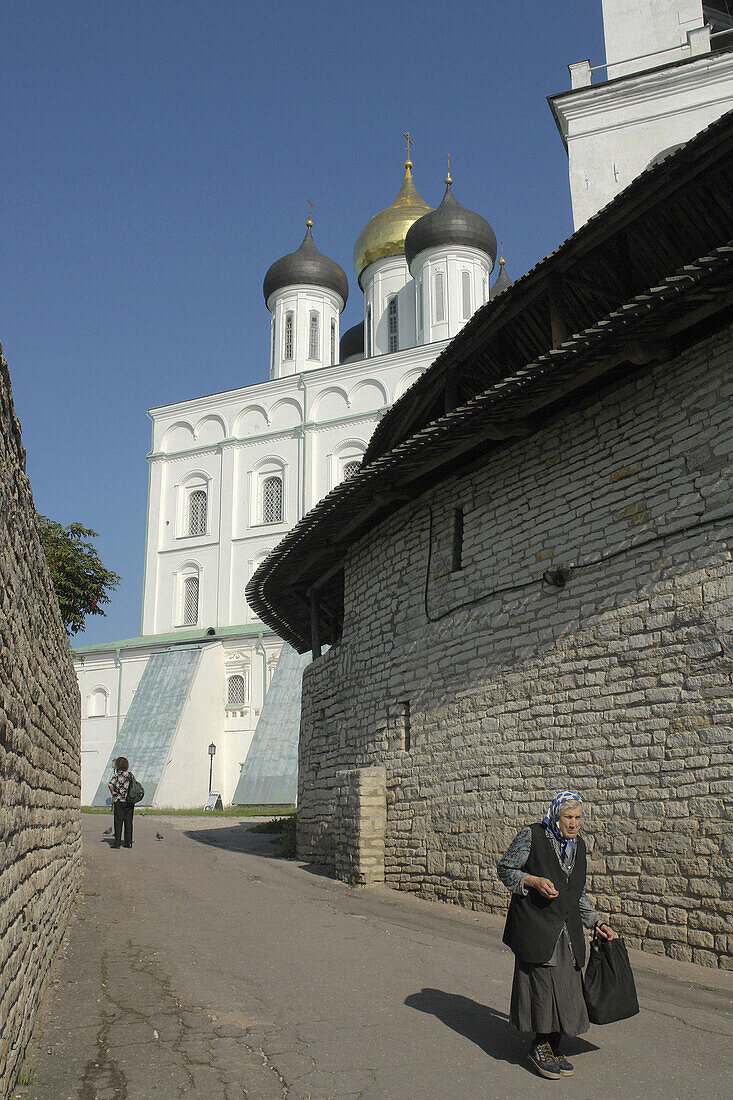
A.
pixel 549 998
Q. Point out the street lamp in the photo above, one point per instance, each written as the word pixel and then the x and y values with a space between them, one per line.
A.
pixel 212 752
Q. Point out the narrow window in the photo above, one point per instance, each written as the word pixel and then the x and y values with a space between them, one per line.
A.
pixel 466 290
pixel 457 562
pixel 419 307
pixel 351 468
pixel 272 346
pixel 333 342
pixel 439 296
pixel 369 332
pixel 190 601
pixel 97 704
pixel 485 289
pixel 197 512
pixel 288 342
pixel 272 500
pixel 314 336
pixel 235 691
pixel 392 324
pixel 404 726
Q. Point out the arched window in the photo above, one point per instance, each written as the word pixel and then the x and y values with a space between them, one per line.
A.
pixel 466 294
pixel 197 512
pixel 97 703
pixel 235 691
pixel 369 332
pixel 314 335
pixel 272 500
pixel 351 468
pixel 190 601
pixel 392 324
pixel 288 341
pixel 272 345
pixel 438 297
pixel 333 342
pixel 419 307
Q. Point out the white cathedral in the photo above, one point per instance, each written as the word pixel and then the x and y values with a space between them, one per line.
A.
pixel 204 690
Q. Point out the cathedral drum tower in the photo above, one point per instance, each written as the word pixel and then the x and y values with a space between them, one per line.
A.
pixel 306 293
pixel 381 267
pixel 451 253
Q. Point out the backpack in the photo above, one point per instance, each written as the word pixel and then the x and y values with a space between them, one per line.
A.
pixel 136 792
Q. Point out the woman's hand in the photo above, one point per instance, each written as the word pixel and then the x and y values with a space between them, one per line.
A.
pixel 605 931
pixel 544 886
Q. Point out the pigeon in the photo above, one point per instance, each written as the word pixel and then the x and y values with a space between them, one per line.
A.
pixel 158 836
pixel 108 832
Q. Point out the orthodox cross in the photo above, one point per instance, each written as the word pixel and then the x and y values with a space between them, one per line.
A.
pixel 310 213
pixel 409 141
pixel 448 176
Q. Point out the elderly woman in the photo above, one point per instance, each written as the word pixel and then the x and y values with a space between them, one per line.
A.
pixel 544 868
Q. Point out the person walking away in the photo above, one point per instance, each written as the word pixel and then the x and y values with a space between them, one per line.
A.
pixel 123 810
pixel 544 869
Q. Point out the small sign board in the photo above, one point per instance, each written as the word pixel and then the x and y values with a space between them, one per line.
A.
pixel 213 802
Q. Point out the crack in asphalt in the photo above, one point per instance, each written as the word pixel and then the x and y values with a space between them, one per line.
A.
pixel 193 1042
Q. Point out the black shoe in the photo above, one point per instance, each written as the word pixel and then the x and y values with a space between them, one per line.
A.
pixel 127 845
pixel 544 1061
pixel 115 845
pixel 567 1069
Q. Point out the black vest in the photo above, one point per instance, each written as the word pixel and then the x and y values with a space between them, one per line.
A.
pixel 534 922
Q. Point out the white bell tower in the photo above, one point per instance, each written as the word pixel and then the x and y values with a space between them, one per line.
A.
pixel 668 74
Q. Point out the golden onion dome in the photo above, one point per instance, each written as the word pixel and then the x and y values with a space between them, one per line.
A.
pixel 384 234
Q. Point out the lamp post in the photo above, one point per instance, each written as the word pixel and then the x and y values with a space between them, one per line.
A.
pixel 212 752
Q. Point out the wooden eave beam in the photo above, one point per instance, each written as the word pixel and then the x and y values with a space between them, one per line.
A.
pixel 558 322
pixel 491 433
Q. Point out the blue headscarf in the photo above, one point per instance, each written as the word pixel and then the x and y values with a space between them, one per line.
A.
pixel 551 820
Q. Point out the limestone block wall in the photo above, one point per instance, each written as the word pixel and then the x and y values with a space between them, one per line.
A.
pixel 483 690
pixel 40 824
pixel 360 824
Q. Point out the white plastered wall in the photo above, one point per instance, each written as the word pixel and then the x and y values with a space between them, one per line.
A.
pixel 185 779
pixel 614 129
pixel 647 27
pixel 382 280
pixel 99 733
pixel 451 264
pixel 301 301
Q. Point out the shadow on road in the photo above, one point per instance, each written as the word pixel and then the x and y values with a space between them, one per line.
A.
pixel 488 1029
pixel 239 838
pixel 235 838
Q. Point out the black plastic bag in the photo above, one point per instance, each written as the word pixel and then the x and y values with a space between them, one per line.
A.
pixel 608 984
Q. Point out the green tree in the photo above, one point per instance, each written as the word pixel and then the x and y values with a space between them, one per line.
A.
pixel 82 582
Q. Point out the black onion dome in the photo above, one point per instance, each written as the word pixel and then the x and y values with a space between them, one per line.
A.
pixel 352 342
pixel 450 224
pixel 306 266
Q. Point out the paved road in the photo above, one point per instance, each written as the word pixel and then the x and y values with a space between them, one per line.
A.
pixel 201 966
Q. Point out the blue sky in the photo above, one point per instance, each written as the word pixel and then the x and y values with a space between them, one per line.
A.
pixel 157 157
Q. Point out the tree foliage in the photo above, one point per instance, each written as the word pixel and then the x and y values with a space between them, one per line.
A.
pixel 82 582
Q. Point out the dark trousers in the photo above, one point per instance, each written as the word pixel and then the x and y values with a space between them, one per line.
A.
pixel 123 817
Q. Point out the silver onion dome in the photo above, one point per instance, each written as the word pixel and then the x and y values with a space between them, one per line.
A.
pixel 306 266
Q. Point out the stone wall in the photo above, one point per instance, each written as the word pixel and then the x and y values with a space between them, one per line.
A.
pixel 360 826
pixel 485 690
pixel 40 824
